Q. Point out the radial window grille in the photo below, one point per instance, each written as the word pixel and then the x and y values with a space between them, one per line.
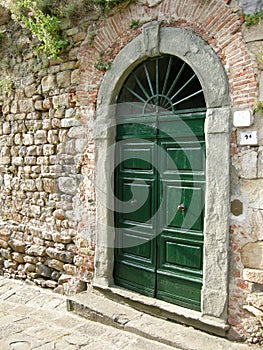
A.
pixel 161 84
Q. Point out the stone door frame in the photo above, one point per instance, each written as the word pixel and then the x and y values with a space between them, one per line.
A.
pixel 191 48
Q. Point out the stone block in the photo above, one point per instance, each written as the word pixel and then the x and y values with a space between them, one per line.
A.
pixel 18 257
pixel 39 105
pixel 30 267
pixel 81 145
pixel 55 275
pixel 6 253
pixel 74 286
pixel 5 160
pixel 251 255
pixel 48 83
pixel 6 128
pixel 62 237
pixel 75 77
pixel 64 256
pixel 69 147
pixel 35 210
pixel 43 270
pixel 36 250
pixel 47 124
pixel 17 161
pixel 8 264
pixel 67 185
pixel 253 275
pixel 64 278
pixel 59 215
pixel 28 185
pixel 48 185
pixel 28 79
pixel 55 264
pixel 26 106
pixel 30 160
pixel 40 137
pixel 257 224
pixel 30 90
pixel 30 259
pixel 77 132
pixel 248 164
pixel 70 269
pixel 52 137
pixel 69 122
pixel 47 103
pixel 51 284
pixel 43 161
pixel 252 191
pixel 63 79
pixel 60 101
pixel 5 235
pixel 256 300
pixel 48 150
pixel 33 116
pixel 3 244
pixel 14 107
pixel 17 246
pixel 28 139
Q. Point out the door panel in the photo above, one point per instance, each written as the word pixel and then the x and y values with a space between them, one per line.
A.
pixel 183 255
pixel 179 290
pixel 183 157
pixel 191 196
pixel 135 190
pixel 160 190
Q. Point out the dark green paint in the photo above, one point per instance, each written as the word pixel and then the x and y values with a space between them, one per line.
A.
pixel 160 160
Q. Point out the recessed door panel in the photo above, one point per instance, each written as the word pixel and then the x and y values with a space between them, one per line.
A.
pixel 137 201
pixel 183 205
pixel 182 254
pixel 183 157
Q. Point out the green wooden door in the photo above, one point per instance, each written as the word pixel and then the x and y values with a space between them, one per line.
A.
pixel 159 190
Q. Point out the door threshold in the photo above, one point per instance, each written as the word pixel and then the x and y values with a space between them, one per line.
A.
pixel 164 310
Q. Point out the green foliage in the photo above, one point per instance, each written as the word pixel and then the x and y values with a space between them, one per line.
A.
pixel 102 64
pixel 251 20
pixel 135 23
pixel 41 18
pixel 106 4
pixel 43 26
pixel 5 85
pixel 258 107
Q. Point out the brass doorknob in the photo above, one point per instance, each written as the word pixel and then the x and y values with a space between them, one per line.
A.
pixel 181 207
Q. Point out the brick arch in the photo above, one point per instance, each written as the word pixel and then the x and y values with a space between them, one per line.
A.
pixel 213 20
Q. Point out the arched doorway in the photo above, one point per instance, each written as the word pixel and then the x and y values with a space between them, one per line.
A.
pixel 160 182
pixel 197 54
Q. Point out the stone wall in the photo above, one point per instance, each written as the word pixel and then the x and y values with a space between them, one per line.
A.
pixel 48 203
pixel 46 235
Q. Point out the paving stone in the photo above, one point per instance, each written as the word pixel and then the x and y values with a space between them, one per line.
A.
pixel 42 323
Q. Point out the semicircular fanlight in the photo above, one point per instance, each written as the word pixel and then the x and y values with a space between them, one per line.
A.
pixel 163 83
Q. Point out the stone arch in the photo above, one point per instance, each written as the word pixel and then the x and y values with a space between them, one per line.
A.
pixel 190 47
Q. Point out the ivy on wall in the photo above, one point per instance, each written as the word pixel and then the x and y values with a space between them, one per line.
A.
pixel 42 18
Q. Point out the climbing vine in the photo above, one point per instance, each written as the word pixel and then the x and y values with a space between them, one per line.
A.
pixel 42 18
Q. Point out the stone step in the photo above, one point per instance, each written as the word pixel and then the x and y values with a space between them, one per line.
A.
pixel 95 306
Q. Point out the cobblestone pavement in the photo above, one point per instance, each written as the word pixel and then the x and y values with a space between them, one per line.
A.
pixel 34 318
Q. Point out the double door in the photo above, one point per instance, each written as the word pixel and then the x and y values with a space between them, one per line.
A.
pixel 159 206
